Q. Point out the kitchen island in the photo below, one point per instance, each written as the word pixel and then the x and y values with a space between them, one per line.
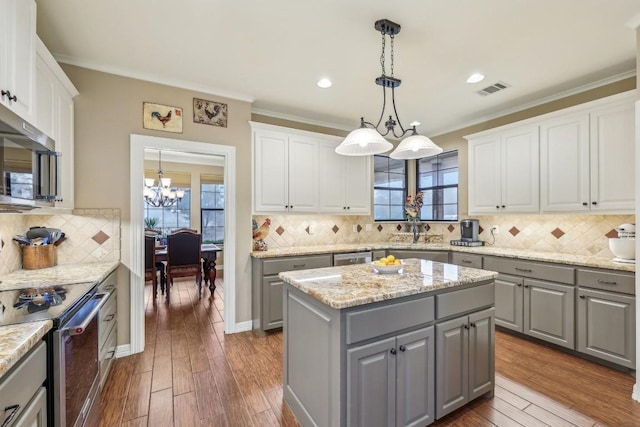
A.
pixel 363 348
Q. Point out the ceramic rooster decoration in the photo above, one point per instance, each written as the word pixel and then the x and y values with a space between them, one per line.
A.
pixel 259 234
pixel 413 209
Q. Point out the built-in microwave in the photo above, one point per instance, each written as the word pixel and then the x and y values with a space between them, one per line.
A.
pixel 29 165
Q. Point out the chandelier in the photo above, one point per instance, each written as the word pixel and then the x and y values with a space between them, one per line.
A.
pixel 368 139
pixel 160 195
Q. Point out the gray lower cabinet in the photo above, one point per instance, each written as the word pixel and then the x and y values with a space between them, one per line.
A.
pixel 35 414
pixel 464 360
pixel 267 286
pixel 391 381
pixel 466 260
pixel 549 312
pixel 510 302
pixel 439 256
pixel 606 325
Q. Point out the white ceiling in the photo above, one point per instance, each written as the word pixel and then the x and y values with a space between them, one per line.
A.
pixel 273 52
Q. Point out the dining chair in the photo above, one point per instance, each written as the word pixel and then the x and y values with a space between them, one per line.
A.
pixel 151 267
pixel 184 258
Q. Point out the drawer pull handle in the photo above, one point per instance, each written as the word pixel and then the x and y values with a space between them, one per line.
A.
pixel 465 326
pixel 607 282
pixel 109 318
pixel 298 265
pixel 582 297
pixel 393 350
pixel 526 286
pixel 14 410
pixel 524 270
pixel 519 284
pixel 110 288
pixel 466 261
pixel 403 348
pixel 111 354
pixel 472 324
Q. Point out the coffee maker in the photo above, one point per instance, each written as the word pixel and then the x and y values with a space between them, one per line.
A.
pixel 469 231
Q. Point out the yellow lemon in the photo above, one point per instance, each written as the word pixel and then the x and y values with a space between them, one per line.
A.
pixel 391 258
pixel 397 262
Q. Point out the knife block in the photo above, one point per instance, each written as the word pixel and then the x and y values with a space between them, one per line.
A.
pixel 37 257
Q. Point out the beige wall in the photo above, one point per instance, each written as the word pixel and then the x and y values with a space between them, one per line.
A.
pixel 107 111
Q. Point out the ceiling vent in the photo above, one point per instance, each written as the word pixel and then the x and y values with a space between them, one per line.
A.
pixel 496 87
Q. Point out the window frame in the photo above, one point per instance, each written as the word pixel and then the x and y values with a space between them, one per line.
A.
pixel 439 189
pixel 404 189
pixel 203 210
pixel 178 207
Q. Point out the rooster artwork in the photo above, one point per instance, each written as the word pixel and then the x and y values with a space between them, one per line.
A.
pixel 209 112
pixel 259 234
pixel 162 117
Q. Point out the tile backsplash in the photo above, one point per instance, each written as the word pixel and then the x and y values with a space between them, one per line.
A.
pixel 576 234
pixel 92 235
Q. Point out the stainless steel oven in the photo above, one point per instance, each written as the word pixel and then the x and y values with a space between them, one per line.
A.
pixel 75 363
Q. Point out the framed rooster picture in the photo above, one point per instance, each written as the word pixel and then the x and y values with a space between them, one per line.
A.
pixel 161 117
pixel 209 112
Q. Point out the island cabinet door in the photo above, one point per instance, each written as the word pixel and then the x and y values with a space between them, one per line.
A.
pixel 371 385
pixel 549 312
pixel 481 353
pixel 452 356
pixel 272 302
pixel 509 300
pixel 415 402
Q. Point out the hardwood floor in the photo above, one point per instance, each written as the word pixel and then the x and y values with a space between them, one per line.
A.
pixel 191 374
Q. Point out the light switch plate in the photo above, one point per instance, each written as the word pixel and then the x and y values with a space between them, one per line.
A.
pixel 367 227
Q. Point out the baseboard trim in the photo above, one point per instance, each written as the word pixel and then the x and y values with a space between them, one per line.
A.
pixel 242 327
pixel 636 392
pixel 123 350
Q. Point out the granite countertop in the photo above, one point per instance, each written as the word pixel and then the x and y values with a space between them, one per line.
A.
pixel 353 285
pixel 17 340
pixel 558 258
pixel 58 275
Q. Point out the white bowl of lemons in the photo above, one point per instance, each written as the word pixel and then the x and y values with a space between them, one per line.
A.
pixel 387 265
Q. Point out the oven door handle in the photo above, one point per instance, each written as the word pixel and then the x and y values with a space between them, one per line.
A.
pixel 79 329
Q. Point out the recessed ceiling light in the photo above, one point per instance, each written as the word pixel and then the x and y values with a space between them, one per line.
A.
pixel 475 78
pixel 324 83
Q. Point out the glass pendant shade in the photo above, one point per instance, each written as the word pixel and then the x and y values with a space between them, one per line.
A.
pixel 415 147
pixel 363 142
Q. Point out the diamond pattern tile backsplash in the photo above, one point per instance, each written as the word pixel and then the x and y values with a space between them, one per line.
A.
pixel 578 234
pixel 92 235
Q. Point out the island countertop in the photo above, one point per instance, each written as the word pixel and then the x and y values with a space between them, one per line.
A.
pixel 354 285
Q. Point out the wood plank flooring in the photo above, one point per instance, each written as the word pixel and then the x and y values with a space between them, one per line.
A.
pixel 191 374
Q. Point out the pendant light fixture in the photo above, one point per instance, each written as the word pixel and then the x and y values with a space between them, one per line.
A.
pixel 160 195
pixel 368 139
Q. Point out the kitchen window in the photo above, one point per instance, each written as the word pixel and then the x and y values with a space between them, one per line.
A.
pixel 212 213
pixel 437 177
pixel 170 218
pixel 389 189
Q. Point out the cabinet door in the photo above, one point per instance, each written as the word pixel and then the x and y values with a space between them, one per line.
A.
pixel 612 157
pixel 415 403
pixel 484 175
pixel 45 114
pixel 65 145
pixel 481 353
pixel 271 303
pixel 371 384
pixel 35 413
pixel 452 357
pixel 606 326
pixel 549 312
pixel 358 185
pixel 18 63
pixel 509 301
pixel 564 164
pixel 332 178
pixel 303 174
pixel 520 170
pixel 271 157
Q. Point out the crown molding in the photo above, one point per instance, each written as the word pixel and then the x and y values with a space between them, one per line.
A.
pixel 300 119
pixel 154 79
pixel 541 101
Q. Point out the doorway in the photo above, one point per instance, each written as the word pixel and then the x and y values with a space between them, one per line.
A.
pixel 136 227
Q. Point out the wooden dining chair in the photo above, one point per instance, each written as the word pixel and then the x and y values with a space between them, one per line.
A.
pixel 184 257
pixel 151 267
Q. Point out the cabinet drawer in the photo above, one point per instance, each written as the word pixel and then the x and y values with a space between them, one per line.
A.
pixel 107 319
pixel 24 380
pixel 466 260
pixel 275 266
pixel 534 270
pixel 608 281
pixel 387 319
pixel 108 354
pixel 109 284
pixel 438 256
pixel 458 302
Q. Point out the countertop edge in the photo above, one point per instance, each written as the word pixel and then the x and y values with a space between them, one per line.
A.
pixel 17 340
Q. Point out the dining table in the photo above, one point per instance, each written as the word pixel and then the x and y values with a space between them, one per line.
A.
pixel 209 252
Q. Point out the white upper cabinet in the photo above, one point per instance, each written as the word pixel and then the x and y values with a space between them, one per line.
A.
pixel 53 115
pixel 345 186
pixel 503 171
pixel 587 159
pixel 285 172
pixel 613 157
pixel 18 56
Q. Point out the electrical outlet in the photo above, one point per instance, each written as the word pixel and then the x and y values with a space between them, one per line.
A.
pixel 367 227
pixel 354 228
pixel 312 229
pixel 495 229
